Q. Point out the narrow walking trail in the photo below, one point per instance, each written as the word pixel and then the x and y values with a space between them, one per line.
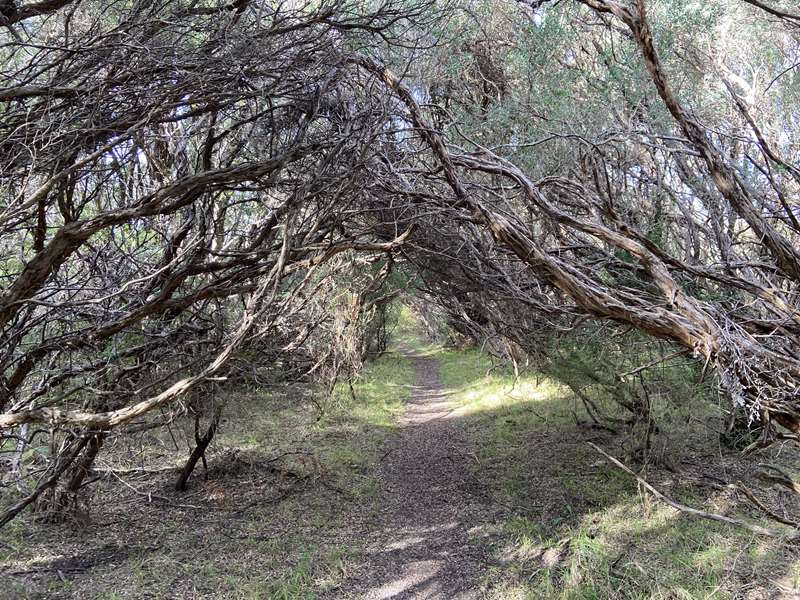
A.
pixel 419 545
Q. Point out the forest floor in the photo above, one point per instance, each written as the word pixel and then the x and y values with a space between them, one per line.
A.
pixel 419 545
pixel 442 476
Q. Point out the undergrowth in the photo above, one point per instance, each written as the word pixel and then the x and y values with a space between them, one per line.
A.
pixel 581 528
pixel 287 470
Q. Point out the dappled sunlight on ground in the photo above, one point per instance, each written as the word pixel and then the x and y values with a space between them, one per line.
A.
pixel 579 527
pixel 492 393
pixel 419 545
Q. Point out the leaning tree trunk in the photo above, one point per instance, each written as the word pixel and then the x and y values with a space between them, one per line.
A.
pixel 759 378
pixel 84 464
pixel 62 501
pixel 60 465
pixel 201 444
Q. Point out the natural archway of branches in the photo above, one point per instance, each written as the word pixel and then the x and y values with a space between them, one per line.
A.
pixel 200 193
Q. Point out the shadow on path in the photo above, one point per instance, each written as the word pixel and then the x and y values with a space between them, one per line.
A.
pixel 419 544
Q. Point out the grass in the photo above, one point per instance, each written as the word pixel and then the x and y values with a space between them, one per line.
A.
pixel 271 521
pixel 579 528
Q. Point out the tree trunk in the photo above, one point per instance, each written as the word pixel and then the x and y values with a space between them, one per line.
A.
pixel 199 451
pixel 81 470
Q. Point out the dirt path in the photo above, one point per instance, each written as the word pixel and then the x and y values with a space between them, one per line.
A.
pixel 419 545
